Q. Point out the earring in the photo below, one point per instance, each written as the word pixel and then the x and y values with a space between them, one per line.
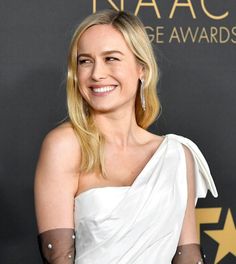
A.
pixel 143 103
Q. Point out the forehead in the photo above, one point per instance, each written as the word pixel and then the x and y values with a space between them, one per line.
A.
pixel 102 37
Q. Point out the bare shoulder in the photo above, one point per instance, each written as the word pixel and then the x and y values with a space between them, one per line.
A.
pixel 63 133
pixel 56 178
pixel 63 137
pixel 61 144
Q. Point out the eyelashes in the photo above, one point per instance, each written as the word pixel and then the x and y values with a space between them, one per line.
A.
pixel 83 61
pixel 112 59
pixel 88 61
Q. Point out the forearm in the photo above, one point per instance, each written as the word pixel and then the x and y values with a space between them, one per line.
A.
pixel 57 246
pixel 189 254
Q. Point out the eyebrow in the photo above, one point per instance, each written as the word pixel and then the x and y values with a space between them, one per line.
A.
pixel 103 53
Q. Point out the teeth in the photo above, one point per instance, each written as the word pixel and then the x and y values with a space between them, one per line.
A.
pixel 103 89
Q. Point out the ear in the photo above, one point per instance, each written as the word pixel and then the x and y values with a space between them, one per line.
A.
pixel 141 71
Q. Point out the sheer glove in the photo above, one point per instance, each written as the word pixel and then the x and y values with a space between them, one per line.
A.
pixel 57 246
pixel 189 254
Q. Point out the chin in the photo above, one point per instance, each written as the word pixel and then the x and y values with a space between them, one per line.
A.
pixel 103 109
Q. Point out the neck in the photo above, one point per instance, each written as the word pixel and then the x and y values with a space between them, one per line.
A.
pixel 118 128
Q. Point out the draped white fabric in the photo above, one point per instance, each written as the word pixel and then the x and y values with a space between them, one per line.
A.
pixel 140 223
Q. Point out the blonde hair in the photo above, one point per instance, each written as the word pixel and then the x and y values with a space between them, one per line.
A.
pixel 91 140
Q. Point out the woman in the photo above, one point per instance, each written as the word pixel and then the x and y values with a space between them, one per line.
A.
pixel 103 183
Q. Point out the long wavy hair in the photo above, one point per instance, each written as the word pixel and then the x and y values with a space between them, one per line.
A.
pixel 90 138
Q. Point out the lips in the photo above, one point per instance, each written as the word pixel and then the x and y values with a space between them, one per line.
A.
pixel 103 89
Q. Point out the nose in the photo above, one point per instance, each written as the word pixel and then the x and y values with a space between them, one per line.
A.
pixel 98 71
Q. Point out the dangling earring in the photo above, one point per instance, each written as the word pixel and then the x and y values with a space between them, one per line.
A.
pixel 143 103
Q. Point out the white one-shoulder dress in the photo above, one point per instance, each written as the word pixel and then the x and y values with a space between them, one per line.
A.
pixel 140 223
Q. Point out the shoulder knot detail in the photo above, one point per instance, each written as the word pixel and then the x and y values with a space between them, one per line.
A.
pixel 203 178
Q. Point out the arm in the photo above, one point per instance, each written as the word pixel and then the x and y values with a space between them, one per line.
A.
pixel 56 182
pixel 188 250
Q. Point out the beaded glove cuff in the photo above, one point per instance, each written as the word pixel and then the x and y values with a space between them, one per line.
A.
pixel 189 254
pixel 57 246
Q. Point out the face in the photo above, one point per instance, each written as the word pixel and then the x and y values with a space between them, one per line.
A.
pixel 108 71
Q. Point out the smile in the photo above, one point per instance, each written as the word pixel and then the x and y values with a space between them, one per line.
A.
pixel 104 89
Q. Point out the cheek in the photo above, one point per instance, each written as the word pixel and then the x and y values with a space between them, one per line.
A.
pixel 125 72
pixel 82 92
pixel 82 73
pixel 83 77
pixel 82 80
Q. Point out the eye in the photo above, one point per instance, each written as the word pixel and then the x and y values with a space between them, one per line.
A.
pixel 83 61
pixel 112 59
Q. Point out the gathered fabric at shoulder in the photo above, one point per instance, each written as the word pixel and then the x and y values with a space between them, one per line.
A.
pixel 203 178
